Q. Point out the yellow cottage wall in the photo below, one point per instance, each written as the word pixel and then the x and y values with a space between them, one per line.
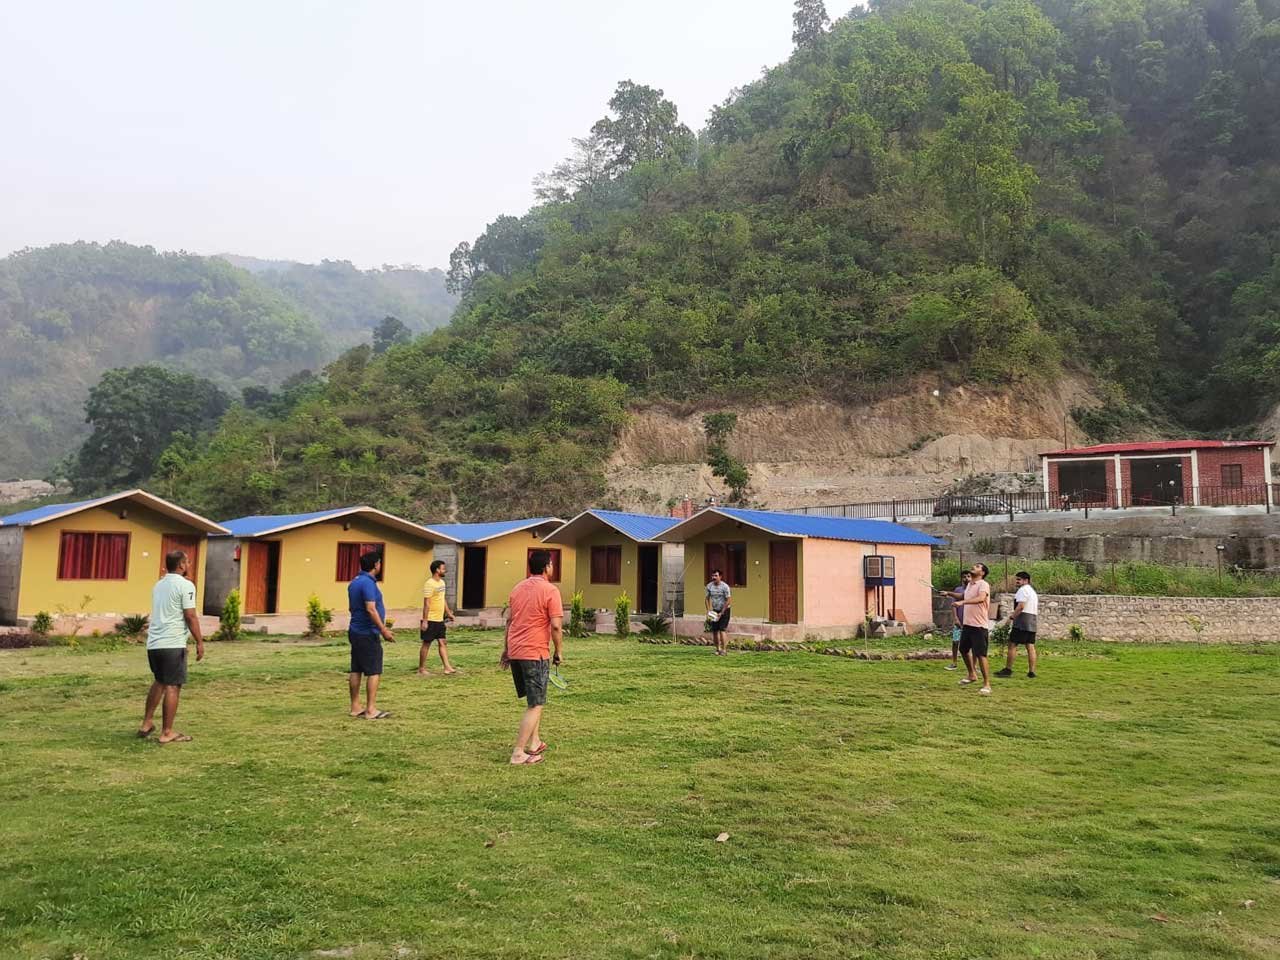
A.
pixel 40 589
pixel 507 560
pixel 309 564
pixel 605 595
pixel 752 601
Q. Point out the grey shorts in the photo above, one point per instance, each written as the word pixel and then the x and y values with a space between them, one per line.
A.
pixel 530 677
pixel 169 667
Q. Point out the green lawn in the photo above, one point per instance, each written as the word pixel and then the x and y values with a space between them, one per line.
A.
pixel 874 809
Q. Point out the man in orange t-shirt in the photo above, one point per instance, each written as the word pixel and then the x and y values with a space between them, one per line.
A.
pixel 535 620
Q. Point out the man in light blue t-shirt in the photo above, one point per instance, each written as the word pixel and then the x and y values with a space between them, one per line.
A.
pixel 173 616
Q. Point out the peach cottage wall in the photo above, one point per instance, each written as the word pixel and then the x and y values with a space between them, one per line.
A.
pixel 835 592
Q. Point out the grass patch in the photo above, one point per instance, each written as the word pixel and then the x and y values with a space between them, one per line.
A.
pixel 1064 577
pixel 874 809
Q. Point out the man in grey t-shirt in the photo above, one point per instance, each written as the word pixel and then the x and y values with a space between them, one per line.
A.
pixel 718 599
pixel 173 617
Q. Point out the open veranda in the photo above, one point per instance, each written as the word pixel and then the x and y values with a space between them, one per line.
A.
pixel 1123 804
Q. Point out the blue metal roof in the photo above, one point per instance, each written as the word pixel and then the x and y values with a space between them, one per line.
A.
pixel 637 526
pixel 252 526
pixel 831 528
pixel 28 517
pixel 476 532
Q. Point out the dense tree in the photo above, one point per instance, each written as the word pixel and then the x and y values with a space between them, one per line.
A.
pixel 136 413
pixel 810 21
pixel 644 128
pixel 388 333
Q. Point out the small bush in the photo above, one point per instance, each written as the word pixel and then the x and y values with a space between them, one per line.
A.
pixel 229 620
pixel 1076 632
pixel 42 624
pixel 622 614
pixel 577 615
pixel 1000 635
pixel 134 626
pixel 20 641
pixel 658 624
pixel 318 617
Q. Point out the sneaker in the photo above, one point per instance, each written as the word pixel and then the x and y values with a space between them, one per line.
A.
pixel 1006 672
pixel 966 681
pixel 985 690
pixel 951 666
pixel 1031 674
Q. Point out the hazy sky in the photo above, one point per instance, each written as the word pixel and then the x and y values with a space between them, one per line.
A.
pixel 378 131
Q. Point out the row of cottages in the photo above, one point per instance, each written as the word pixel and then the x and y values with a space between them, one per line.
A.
pixel 791 575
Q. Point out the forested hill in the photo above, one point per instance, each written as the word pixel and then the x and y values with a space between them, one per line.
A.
pixel 987 191
pixel 348 302
pixel 72 311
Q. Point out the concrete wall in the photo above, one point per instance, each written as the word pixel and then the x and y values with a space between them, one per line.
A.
pixel 41 590
pixel 448 552
pixel 1252 541
pixel 10 573
pixel 673 579
pixel 1178 619
pixel 222 573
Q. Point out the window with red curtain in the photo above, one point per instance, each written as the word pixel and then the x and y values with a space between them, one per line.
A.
pixel 606 564
pixel 93 556
pixel 555 563
pixel 349 555
pixel 730 559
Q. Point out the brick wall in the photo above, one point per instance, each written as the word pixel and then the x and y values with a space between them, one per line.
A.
pixel 10 573
pixel 1177 619
pixel 1250 459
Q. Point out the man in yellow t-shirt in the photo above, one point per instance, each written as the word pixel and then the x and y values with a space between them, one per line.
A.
pixel 435 611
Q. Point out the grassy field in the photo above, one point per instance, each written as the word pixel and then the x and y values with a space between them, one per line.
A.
pixel 1122 805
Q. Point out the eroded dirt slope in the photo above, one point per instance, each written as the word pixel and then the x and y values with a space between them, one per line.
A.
pixel 912 445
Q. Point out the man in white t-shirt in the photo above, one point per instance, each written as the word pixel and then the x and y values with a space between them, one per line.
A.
pixel 1026 608
pixel 173 616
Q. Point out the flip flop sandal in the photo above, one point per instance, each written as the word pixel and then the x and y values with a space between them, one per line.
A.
pixel 540 749
pixel 380 715
pixel 529 760
pixel 143 734
pixel 180 738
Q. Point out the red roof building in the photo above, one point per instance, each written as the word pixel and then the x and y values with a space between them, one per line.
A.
pixel 1162 472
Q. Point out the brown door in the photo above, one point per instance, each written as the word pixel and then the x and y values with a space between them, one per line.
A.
pixel 784 606
pixel 177 541
pixel 257 581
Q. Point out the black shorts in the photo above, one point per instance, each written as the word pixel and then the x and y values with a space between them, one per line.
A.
pixel 721 625
pixel 530 678
pixel 1025 637
pixel 974 640
pixel 434 631
pixel 169 666
pixel 366 653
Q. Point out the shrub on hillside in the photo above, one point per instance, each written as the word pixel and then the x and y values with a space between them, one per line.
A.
pixel 318 617
pixel 622 615
pixel 229 619
pixel 42 624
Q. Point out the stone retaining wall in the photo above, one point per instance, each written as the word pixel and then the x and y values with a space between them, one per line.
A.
pixel 1178 619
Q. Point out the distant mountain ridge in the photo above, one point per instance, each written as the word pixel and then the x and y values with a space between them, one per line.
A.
pixel 69 312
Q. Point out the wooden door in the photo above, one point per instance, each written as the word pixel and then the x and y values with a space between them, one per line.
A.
pixel 186 543
pixel 784 605
pixel 257 577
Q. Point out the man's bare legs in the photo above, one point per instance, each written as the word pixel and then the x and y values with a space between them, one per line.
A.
pixel 168 713
pixel 530 723
pixel 969 665
pixel 153 701
pixel 422 659
pixel 371 695
pixel 985 663
pixel 353 683
pixel 1031 658
pixel 443 649
pixel 1010 654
